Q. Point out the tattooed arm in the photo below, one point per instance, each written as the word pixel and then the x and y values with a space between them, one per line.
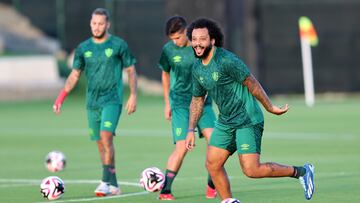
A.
pixel 255 89
pixel 196 108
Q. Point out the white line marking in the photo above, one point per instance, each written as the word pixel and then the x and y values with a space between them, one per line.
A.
pixel 99 198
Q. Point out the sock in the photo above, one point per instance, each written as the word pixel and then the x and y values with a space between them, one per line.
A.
pixel 113 180
pixel 169 178
pixel 298 171
pixel 210 182
pixel 106 173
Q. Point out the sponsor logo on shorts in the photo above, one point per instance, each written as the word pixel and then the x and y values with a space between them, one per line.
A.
pixel 107 124
pixel 178 131
pixel 244 147
pixel 108 52
pixel 177 59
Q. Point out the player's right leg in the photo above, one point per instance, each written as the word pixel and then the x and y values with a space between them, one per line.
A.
pixel 206 124
pixel 221 146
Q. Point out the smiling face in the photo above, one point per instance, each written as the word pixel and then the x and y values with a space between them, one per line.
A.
pixel 179 38
pixel 201 42
pixel 99 26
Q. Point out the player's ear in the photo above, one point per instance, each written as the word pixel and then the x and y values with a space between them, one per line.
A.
pixel 108 25
pixel 212 41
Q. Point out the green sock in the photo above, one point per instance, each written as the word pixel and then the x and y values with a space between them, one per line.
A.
pixel 210 182
pixel 113 180
pixel 169 178
pixel 298 171
pixel 106 173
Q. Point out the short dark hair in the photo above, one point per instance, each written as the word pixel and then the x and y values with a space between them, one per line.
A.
pixel 102 11
pixel 175 24
pixel 213 28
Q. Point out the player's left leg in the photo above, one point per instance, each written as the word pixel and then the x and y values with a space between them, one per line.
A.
pixel 249 147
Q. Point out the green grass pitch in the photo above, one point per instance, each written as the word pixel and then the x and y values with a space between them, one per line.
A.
pixel 327 135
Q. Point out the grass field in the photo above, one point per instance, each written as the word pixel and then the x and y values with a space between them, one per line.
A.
pixel 327 135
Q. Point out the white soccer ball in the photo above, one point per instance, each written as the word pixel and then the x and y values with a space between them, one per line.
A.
pixel 152 179
pixel 55 161
pixel 230 200
pixel 52 187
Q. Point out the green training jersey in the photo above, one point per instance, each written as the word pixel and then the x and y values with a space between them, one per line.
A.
pixel 178 62
pixel 103 64
pixel 222 79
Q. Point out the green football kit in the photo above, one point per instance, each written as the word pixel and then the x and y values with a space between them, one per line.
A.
pixel 240 121
pixel 178 62
pixel 103 64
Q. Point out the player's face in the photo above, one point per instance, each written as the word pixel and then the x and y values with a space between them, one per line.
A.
pixel 99 26
pixel 179 38
pixel 201 42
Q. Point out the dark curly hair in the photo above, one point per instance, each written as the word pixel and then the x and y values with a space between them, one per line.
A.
pixel 213 29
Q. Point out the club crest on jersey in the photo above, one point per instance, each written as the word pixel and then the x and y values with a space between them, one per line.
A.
pixel 177 59
pixel 215 76
pixel 108 52
pixel 88 54
pixel 201 79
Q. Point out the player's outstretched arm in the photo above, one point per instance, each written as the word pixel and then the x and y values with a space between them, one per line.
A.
pixel 131 103
pixel 70 83
pixel 165 79
pixel 196 108
pixel 256 89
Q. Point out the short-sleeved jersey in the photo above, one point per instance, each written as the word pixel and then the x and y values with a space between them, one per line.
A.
pixel 222 79
pixel 103 64
pixel 178 61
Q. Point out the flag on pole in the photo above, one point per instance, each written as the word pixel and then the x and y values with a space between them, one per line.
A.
pixel 308 38
pixel 307 31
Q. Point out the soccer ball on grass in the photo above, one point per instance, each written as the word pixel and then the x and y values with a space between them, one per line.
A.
pixel 52 187
pixel 152 179
pixel 55 161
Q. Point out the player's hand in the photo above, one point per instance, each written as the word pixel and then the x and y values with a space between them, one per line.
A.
pixel 131 104
pixel 190 141
pixel 279 110
pixel 167 112
pixel 57 108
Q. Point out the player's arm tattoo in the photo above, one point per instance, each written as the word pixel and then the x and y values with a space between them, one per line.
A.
pixel 256 89
pixel 131 71
pixel 196 108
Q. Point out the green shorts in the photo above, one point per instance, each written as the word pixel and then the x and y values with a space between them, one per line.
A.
pixel 244 140
pixel 103 119
pixel 180 121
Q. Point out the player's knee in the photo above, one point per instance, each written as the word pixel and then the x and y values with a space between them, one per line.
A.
pixel 250 171
pixel 212 165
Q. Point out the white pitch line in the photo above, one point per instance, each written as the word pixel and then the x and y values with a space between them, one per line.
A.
pixel 99 198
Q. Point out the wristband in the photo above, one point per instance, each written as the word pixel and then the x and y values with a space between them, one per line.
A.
pixel 60 99
pixel 191 130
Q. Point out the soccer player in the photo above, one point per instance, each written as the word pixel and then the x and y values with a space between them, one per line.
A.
pixel 103 57
pixel 224 76
pixel 176 62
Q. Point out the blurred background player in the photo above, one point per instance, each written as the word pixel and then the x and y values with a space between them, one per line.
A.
pixel 103 57
pixel 176 62
pixel 222 75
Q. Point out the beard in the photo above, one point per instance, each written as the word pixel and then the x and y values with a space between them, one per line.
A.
pixel 100 36
pixel 205 53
